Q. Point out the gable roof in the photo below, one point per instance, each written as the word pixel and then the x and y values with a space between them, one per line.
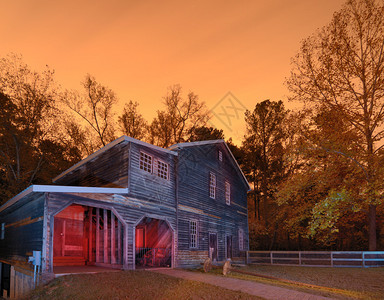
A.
pixel 211 142
pixel 109 146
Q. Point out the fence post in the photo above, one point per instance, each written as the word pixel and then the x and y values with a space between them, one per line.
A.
pixel 363 258
pixel 331 259
pixel 299 258
pixel 247 257
pixel 271 253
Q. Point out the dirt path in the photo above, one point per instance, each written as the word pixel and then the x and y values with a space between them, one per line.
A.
pixel 253 288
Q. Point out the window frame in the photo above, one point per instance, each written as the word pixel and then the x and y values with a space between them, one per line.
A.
pixel 158 171
pixel 241 239
pixel 227 193
pixel 152 165
pixel 212 185
pixel 143 163
pixel 193 234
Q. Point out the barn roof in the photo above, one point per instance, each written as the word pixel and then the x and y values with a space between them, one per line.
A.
pixel 109 146
pixel 62 189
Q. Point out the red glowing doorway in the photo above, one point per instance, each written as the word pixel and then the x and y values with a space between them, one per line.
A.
pixel 85 235
pixel 153 243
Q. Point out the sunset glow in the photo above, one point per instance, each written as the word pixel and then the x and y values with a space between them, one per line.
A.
pixel 139 49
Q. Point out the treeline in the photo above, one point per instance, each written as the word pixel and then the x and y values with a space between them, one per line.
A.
pixel 45 129
pixel 316 174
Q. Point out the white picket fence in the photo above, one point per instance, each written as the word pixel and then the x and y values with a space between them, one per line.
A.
pixel 318 258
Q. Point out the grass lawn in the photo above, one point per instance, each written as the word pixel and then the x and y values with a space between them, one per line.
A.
pixel 130 285
pixel 360 283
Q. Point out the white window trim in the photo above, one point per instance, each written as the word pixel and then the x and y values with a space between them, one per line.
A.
pixel 212 185
pixel 154 165
pixel 156 168
pixel 196 234
pixel 227 193
pixel 140 161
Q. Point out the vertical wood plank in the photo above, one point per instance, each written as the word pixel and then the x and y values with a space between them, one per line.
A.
pixel 113 254
pixel 105 225
pixel 97 234
pixel 119 241
pixel 63 239
pixel 90 233
pixel 12 283
pixel 51 230
pixel 125 251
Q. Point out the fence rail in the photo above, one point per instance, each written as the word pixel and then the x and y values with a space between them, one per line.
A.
pixel 318 258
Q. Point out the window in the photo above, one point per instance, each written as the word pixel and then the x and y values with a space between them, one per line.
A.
pixel 241 239
pixel 153 166
pixel 146 162
pixel 212 185
pixel 2 231
pixel 162 169
pixel 220 155
pixel 227 193
pixel 193 234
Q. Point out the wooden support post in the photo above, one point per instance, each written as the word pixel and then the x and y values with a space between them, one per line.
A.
pixel 113 241
pixel 105 222
pixel 90 234
pixel 63 238
pixel 125 251
pixel 12 286
pixel 97 234
pixel 119 241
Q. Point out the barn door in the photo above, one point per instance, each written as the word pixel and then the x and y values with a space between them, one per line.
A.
pixel 213 246
pixel 69 235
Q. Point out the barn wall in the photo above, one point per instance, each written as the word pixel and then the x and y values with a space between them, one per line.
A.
pixel 130 210
pixel 149 187
pixel 108 169
pixel 23 228
pixel 212 215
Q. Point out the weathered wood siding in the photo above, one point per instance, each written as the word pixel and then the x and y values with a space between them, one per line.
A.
pixel 130 210
pixel 108 169
pixel 150 187
pixel 23 228
pixel 213 215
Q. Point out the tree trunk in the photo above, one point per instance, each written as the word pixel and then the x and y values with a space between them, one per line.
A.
pixel 372 227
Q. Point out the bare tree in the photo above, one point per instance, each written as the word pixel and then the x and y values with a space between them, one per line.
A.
pixel 94 110
pixel 131 122
pixel 341 67
pixel 181 116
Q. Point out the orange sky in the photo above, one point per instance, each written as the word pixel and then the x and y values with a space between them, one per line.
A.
pixel 139 48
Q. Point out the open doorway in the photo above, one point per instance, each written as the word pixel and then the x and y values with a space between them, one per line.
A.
pixel 153 243
pixel 85 235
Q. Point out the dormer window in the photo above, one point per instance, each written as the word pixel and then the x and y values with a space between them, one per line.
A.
pixel 162 169
pixel 146 162
pixel 154 166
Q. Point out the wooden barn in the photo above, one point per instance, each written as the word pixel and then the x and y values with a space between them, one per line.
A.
pixel 129 205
